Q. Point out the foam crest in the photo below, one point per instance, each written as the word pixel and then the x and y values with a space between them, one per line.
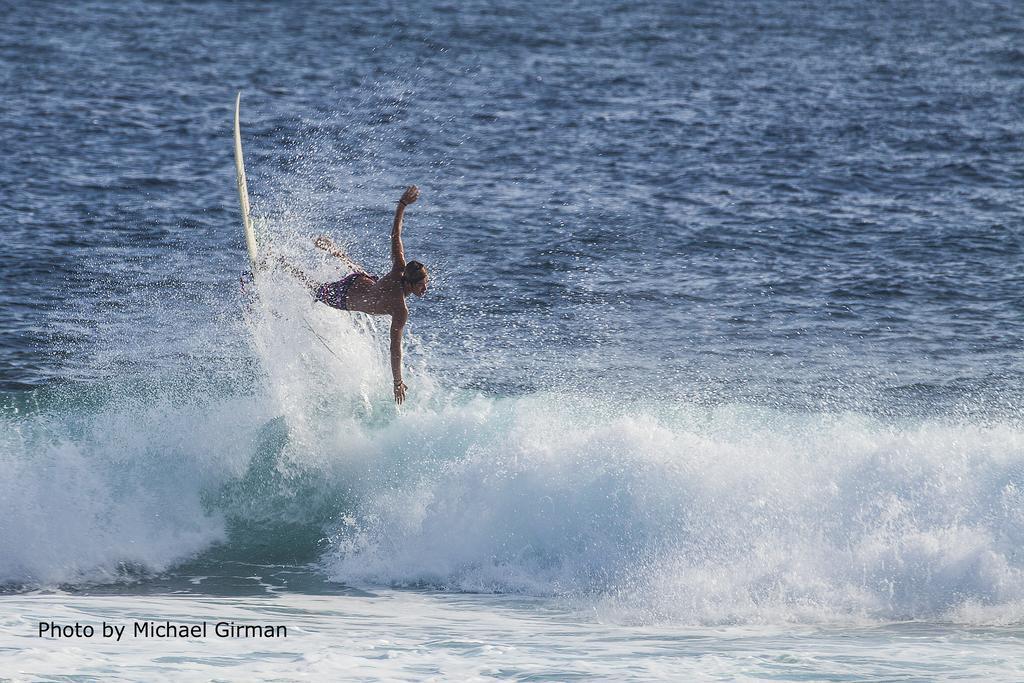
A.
pixel 700 515
pixel 109 492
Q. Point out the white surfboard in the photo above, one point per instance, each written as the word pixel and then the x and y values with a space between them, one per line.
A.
pixel 243 190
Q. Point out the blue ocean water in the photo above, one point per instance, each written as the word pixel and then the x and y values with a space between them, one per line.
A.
pixel 724 326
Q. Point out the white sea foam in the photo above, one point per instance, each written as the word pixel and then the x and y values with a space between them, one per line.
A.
pixel 717 515
pixel 412 635
pixel 86 496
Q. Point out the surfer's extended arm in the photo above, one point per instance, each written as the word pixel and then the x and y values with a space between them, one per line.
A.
pixel 410 195
pixel 324 242
pixel 398 321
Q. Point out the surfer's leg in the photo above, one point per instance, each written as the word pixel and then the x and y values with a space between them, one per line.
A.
pixel 310 284
pixel 324 242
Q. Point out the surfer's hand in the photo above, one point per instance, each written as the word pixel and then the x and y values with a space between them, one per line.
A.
pixel 323 242
pixel 412 193
pixel 400 392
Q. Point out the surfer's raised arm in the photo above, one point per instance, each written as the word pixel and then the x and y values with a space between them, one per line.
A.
pixel 410 195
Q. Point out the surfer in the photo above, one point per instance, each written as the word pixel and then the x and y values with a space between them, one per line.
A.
pixel 366 293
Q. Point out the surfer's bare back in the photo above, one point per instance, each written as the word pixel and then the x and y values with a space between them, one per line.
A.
pixel 360 291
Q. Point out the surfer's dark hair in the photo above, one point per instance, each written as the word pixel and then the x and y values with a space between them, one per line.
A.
pixel 414 272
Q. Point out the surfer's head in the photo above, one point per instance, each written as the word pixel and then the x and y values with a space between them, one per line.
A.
pixel 414 278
